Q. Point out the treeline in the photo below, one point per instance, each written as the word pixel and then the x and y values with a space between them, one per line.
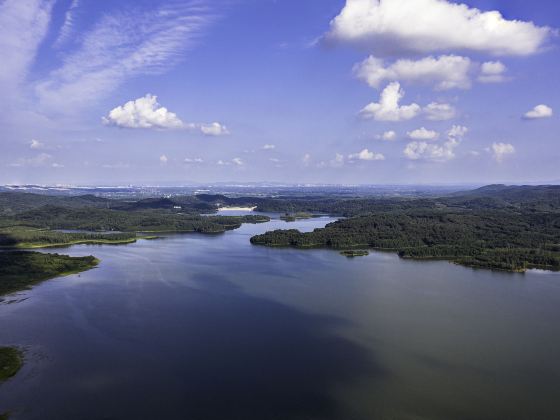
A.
pixel 20 270
pixel 504 238
pixel 22 237
pixel 98 219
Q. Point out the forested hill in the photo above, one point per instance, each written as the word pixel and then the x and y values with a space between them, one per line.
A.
pixel 543 197
pixel 508 228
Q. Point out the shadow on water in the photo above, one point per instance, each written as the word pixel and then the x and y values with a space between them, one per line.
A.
pixel 210 352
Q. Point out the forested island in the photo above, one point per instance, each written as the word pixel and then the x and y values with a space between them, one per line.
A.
pixel 496 227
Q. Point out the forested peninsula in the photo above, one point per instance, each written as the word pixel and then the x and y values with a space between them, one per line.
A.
pixel 495 227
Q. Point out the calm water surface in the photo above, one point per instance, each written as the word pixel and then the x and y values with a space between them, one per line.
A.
pixel 210 327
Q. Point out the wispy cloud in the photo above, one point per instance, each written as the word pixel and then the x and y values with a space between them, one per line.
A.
pixel 41 160
pixel 68 25
pixel 23 25
pixel 120 46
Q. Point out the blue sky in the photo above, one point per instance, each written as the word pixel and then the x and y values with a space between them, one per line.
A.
pixel 176 92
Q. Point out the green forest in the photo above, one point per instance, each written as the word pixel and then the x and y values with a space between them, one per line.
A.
pixel 20 270
pixel 497 228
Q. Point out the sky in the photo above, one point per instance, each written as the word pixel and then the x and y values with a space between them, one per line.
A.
pixel 179 92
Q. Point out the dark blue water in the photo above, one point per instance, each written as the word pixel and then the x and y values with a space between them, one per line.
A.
pixel 211 327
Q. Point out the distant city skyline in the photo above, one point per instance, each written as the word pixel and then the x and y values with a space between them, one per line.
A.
pixel 311 92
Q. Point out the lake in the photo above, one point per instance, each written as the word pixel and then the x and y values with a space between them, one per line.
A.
pixel 210 327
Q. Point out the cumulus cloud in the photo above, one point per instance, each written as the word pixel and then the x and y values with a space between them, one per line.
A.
pixel 457 131
pixel 146 112
pixel 237 161
pixel 387 136
pixel 143 112
pixel 366 155
pixel 436 152
pixel 388 108
pixel 444 72
pixel 492 72
pixel 422 134
pixel 306 159
pixel 36 144
pixel 439 112
pixel 337 162
pixel 215 129
pixel 392 27
pixel 269 147
pixel 501 150
pixel 540 111
pixel 163 159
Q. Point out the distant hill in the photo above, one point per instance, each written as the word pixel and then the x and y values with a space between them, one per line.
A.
pixel 15 202
pixel 541 197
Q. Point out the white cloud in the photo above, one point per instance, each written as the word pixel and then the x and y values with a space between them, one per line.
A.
pixel 269 147
pixel 501 150
pixel 436 152
pixel 540 111
pixel 119 46
pixel 366 155
pixel 23 25
pixel 214 129
pixel 163 159
pixel 67 25
pixel 192 161
pixel 36 144
pixel 439 112
pixel 457 131
pixel 422 134
pixel 306 159
pixel 235 161
pixel 388 108
pixel 423 26
pixel 445 72
pixel 388 136
pixel 492 72
pixel 146 112
pixel 337 161
pixel 143 112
